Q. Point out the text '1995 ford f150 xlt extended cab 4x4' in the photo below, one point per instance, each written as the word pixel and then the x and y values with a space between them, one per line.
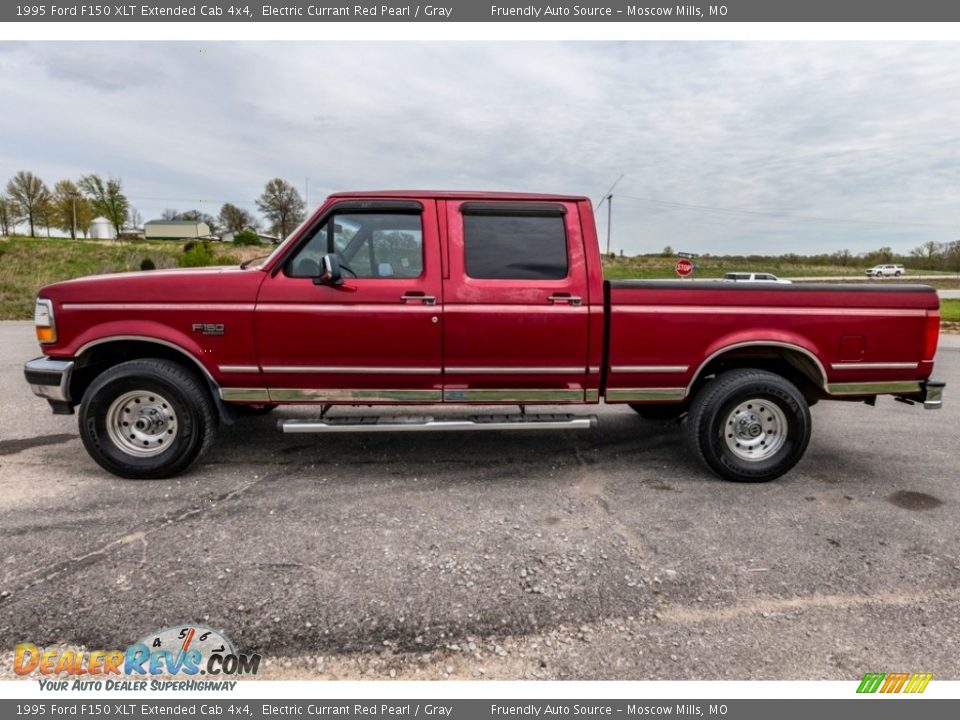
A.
pixel 457 299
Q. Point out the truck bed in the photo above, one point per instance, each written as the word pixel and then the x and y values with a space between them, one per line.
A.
pixel 663 334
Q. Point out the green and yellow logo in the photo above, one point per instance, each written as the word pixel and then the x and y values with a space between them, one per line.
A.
pixel 894 682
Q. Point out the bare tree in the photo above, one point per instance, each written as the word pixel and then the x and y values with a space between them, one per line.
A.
pixel 197 216
pixel 282 205
pixel 28 193
pixel 930 253
pixel 107 199
pixel 951 256
pixel 134 218
pixel 885 254
pixel 8 215
pixel 841 257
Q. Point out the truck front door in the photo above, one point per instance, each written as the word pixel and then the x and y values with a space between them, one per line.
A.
pixel 376 337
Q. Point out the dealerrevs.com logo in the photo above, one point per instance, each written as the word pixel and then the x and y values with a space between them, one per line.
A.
pixel 185 650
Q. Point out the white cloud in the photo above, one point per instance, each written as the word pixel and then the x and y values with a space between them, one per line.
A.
pixel 861 132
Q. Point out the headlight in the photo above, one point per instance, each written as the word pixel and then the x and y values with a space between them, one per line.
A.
pixel 43 321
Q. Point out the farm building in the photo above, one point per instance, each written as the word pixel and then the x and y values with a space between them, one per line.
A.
pixel 175 229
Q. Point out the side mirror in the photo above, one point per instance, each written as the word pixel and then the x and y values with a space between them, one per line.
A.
pixel 330 273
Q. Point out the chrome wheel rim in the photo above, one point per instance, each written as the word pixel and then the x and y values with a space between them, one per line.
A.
pixel 755 429
pixel 142 423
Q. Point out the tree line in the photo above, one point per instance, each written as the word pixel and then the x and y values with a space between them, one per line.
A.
pixel 929 256
pixel 72 207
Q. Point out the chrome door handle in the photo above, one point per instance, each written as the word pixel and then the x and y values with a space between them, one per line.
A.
pixel 565 297
pixel 425 299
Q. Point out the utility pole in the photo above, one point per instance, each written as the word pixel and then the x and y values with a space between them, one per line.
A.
pixel 609 219
pixel 608 196
pixel 73 198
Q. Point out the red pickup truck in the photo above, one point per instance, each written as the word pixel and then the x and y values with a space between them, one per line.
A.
pixel 458 299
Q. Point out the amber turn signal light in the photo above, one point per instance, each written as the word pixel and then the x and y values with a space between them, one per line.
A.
pixel 43 321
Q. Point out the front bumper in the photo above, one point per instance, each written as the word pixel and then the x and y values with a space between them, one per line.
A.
pixel 933 394
pixel 50 379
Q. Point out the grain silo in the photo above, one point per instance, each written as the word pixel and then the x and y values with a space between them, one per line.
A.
pixel 102 229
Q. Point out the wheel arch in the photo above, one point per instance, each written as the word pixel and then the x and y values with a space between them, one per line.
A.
pixel 95 356
pixel 784 357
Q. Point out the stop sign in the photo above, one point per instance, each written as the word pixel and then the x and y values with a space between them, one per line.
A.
pixel 684 267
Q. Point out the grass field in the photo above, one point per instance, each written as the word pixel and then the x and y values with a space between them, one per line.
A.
pixel 27 264
pixel 655 267
pixel 950 310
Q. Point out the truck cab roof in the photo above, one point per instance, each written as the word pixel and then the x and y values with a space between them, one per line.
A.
pixel 459 195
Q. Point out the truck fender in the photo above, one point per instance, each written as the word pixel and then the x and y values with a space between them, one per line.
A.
pixel 763 338
pixel 182 344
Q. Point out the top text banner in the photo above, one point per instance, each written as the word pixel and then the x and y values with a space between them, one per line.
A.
pixel 480 11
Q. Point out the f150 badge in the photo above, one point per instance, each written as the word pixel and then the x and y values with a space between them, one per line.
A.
pixel 208 328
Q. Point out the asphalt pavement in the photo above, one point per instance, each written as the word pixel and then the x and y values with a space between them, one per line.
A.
pixel 603 554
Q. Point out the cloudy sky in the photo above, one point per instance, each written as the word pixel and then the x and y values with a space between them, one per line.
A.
pixel 724 147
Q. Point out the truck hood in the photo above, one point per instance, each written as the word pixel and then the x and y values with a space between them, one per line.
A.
pixel 206 284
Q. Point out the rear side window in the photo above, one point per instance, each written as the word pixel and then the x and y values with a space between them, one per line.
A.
pixel 515 246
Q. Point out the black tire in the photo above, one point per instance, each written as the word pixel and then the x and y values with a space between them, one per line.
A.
pixel 712 413
pixel 253 410
pixel 172 393
pixel 897 274
pixel 659 412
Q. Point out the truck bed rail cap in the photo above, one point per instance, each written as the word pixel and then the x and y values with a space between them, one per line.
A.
pixel 766 286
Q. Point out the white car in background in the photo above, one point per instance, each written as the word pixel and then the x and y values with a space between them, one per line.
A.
pixel 887 270
pixel 754 277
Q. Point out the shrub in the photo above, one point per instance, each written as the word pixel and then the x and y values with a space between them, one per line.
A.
pixel 147 264
pixel 188 246
pixel 199 255
pixel 246 237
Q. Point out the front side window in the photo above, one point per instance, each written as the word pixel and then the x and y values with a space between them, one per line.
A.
pixel 515 247
pixel 369 245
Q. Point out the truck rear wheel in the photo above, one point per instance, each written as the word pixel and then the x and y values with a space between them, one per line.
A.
pixel 147 419
pixel 749 425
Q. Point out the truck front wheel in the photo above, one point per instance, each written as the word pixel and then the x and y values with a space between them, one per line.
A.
pixel 749 425
pixel 147 419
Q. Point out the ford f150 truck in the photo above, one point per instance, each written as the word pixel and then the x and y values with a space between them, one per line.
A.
pixel 456 299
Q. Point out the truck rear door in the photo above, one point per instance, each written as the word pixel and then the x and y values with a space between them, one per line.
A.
pixel 515 303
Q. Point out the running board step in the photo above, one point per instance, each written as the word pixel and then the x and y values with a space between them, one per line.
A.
pixel 411 423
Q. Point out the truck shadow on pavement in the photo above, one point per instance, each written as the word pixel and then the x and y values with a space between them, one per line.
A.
pixel 461 456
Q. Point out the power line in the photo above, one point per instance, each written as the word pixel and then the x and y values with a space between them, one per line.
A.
pixel 606 195
pixel 191 201
pixel 786 216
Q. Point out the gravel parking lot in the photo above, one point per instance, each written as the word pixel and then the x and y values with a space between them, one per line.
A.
pixel 606 554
